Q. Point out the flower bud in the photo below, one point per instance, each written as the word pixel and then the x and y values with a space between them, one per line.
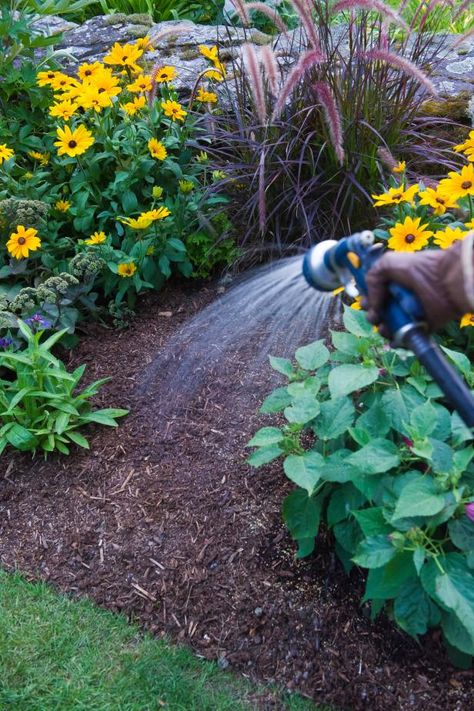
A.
pixel 469 510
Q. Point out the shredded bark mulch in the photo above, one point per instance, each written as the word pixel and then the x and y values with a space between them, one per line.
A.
pixel 164 520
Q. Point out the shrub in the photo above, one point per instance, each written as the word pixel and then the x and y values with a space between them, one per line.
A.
pixel 40 407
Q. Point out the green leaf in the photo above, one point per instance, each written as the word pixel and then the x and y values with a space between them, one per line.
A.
pixel 337 469
pixel 374 552
pixel 265 436
pixel 412 608
pixel 62 421
pixel 21 438
pixel 372 521
pixel 305 546
pixel 304 470
pixel 423 419
pixel 441 456
pixel 385 583
pixel 456 633
pixel 356 322
pixel 282 365
pixel 460 360
pixel 103 417
pixel 378 456
pixel 129 201
pixel 345 342
pixel 456 592
pixel 264 455
pixel 375 420
pixel 461 531
pixel 52 340
pixel 312 356
pixel 78 439
pixel 343 501
pixel 336 416
pixel 276 401
pixel 348 535
pixel 301 514
pixel 303 409
pixel 346 378
pixel 419 497
pixel 419 557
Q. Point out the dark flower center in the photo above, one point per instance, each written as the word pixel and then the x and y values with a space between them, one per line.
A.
pixel 21 240
pixel 124 58
pixel 466 185
pixel 409 239
pixel 397 196
pixel 88 72
pixel 101 90
pixel 72 144
pixel 440 200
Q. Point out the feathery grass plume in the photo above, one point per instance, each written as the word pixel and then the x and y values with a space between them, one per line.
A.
pixel 395 60
pixel 241 10
pixel 252 68
pixel 262 208
pixel 184 26
pixel 305 62
pixel 466 5
pixel 303 9
pixel 386 157
pixel 270 13
pixel 270 64
pixel 374 5
pixel 332 116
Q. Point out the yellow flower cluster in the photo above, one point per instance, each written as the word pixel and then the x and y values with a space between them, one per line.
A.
pixel 145 219
pixel 212 53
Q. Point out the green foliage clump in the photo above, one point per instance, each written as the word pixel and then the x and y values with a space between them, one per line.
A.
pixel 378 457
pixel 40 406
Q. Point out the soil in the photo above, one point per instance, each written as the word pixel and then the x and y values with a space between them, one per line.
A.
pixel 164 521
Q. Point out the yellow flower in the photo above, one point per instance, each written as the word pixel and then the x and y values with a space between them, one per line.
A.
pixel 445 238
pixel 400 167
pixel 93 98
pixel 105 82
pixel 438 201
pixel 470 225
pixel 459 185
pixel 96 238
pixel 186 186
pixel 209 52
pixel 46 78
pixel 165 74
pixel 28 175
pixel 467 320
pixel 218 175
pixel 73 143
pixel 207 97
pixel 150 251
pixel 356 304
pixel 158 214
pixel 63 109
pixel 157 192
pixel 5 152
pixel 62 205
pixel 467 147
pixel 173 110
pixel 87 71
pixel 124 55
pixel 61 82
pixel 131 107
pixel 22 242
pixel 218 74
pixel 395 196
pixel 202 157
pixel 139 223
pixel 43 158
pixel 157 149
pixel 409 236
pixel 126 269
pixel 144 43
pixel 142 83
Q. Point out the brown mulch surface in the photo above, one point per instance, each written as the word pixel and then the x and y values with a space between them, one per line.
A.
pixel 165 521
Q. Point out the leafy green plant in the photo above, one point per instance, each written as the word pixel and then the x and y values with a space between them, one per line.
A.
pixel 40 407
pixel 379 458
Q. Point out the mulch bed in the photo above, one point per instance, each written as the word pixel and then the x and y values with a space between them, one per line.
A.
pixel 165 521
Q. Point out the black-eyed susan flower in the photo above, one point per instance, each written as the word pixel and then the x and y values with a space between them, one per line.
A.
pixel 43 158
pixel 137 223
pixel 86 71
pixel 23 241
pixel 5 152
pixel 157 149
pixel 96 238
pixel 467 147
pixel 467 320
pixel 126 269
pixel 400 167
pixel 394 196
pixel 210 53
pixel 46 78
pixel 124 55
pixel 61 82
pixel 409 236
pixel 142 83
pixel 90 97
pixel 445 238
pixel 459 185
pixel 173 110
pixel 63 109
pixel 131 107
pixel 144 43
pixel 158 213
pixel 62 205
pixel 437 200
pixel 105 82
pixel 165 74
pixel 207 97
pixel 73 143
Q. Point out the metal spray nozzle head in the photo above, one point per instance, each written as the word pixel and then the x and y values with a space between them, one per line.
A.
pixel 318 268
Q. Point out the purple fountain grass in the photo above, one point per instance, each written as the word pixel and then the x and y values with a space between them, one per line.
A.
pixel 270 13
pixel 270 65
pixel 241 10
pixel 307 60
pixel 406 66
pixel 466 5
pixel 464 37
pixel 262 207
pixel 304 11
pixel 253 71
pixel 332 116
pixel 374 5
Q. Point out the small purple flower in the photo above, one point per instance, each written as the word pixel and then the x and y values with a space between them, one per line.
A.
pixel 383 372
pixel 407 442
pixel 37 321
pixel 469 510
pixel 5 342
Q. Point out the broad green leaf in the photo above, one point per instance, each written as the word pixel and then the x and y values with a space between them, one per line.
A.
pixel 348 535
pixel 303 409
pixel 337 469
pixel 301 514
pixel 304 470
pixel 62 421
pixel 461 433
pixel 372 521
pixel 418 498
pixel 312 356
pixel 412 608
pixel 282 365
pixel 276 401
pixel 460 360
pixel 385 583
pixel 265 436
pixel 264 455
pixel 346 342
pixel 305 546
pixel 423 420
pixel 461 531
pixel 54 338
pixel 336 416
pixel 375 420
pixel 455 589
pixel 441 456
pixel 374 552
pixel 378 456
pixel 345 379
pixel 78 439
pixel 343 500
pixel 21 438
pixel 419 557
pixel 356 322
pixel 456 633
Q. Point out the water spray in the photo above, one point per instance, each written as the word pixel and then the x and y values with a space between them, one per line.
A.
pixel 332 264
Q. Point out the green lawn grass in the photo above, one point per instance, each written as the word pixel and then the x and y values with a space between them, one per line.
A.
pixel 57 654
